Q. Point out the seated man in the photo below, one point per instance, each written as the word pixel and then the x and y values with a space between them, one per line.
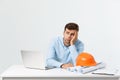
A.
pixel 64 50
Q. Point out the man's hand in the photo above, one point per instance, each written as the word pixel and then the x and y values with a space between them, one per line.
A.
pixel 75 37
pixel 64 66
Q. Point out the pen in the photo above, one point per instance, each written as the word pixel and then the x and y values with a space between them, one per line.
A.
pixel 103 73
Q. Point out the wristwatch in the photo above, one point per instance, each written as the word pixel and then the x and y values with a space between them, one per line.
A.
pixel 61 66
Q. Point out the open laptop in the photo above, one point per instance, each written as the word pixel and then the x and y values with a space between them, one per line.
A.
pixel 33 59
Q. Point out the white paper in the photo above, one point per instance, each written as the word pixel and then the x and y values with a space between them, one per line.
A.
pixel 93 68
pixel 86 69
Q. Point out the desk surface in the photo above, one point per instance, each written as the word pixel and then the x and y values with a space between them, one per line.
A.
pixel 21 71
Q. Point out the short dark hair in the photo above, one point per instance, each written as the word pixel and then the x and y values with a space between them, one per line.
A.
pixel 72 26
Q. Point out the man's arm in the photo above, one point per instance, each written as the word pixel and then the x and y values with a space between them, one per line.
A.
pixel 76 47
pixel 75 50
pixel 51 60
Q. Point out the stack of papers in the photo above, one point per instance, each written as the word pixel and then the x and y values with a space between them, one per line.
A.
pixel 86 69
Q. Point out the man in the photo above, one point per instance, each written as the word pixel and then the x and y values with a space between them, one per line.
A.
pixel 64 50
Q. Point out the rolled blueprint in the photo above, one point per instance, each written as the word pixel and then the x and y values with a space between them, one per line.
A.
pixel 84 70
pixel 93 68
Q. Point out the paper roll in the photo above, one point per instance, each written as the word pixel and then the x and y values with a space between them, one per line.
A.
pixel 93 68
pixel 86 69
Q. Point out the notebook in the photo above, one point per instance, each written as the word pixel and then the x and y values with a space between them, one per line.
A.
pixel 33 59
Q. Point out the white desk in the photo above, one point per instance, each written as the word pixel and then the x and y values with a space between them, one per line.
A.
pixel 19 72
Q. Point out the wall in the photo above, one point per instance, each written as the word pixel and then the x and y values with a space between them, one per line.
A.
pixel 31 24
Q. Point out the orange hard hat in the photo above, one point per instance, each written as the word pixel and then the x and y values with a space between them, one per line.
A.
pixel 85 59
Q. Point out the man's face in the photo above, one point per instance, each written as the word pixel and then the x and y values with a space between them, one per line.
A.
pixel 68 35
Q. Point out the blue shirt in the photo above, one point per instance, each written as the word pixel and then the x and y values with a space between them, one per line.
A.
pixel 60 54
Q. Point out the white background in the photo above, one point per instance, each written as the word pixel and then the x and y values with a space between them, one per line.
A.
pixel 31 24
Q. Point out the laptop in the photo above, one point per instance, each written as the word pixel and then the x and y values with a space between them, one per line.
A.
pixel 33 59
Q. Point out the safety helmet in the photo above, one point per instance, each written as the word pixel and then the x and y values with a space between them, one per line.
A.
pixel 85 59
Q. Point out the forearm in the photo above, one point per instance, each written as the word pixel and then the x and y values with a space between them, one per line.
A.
pixel 73 53
pixel 53 63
